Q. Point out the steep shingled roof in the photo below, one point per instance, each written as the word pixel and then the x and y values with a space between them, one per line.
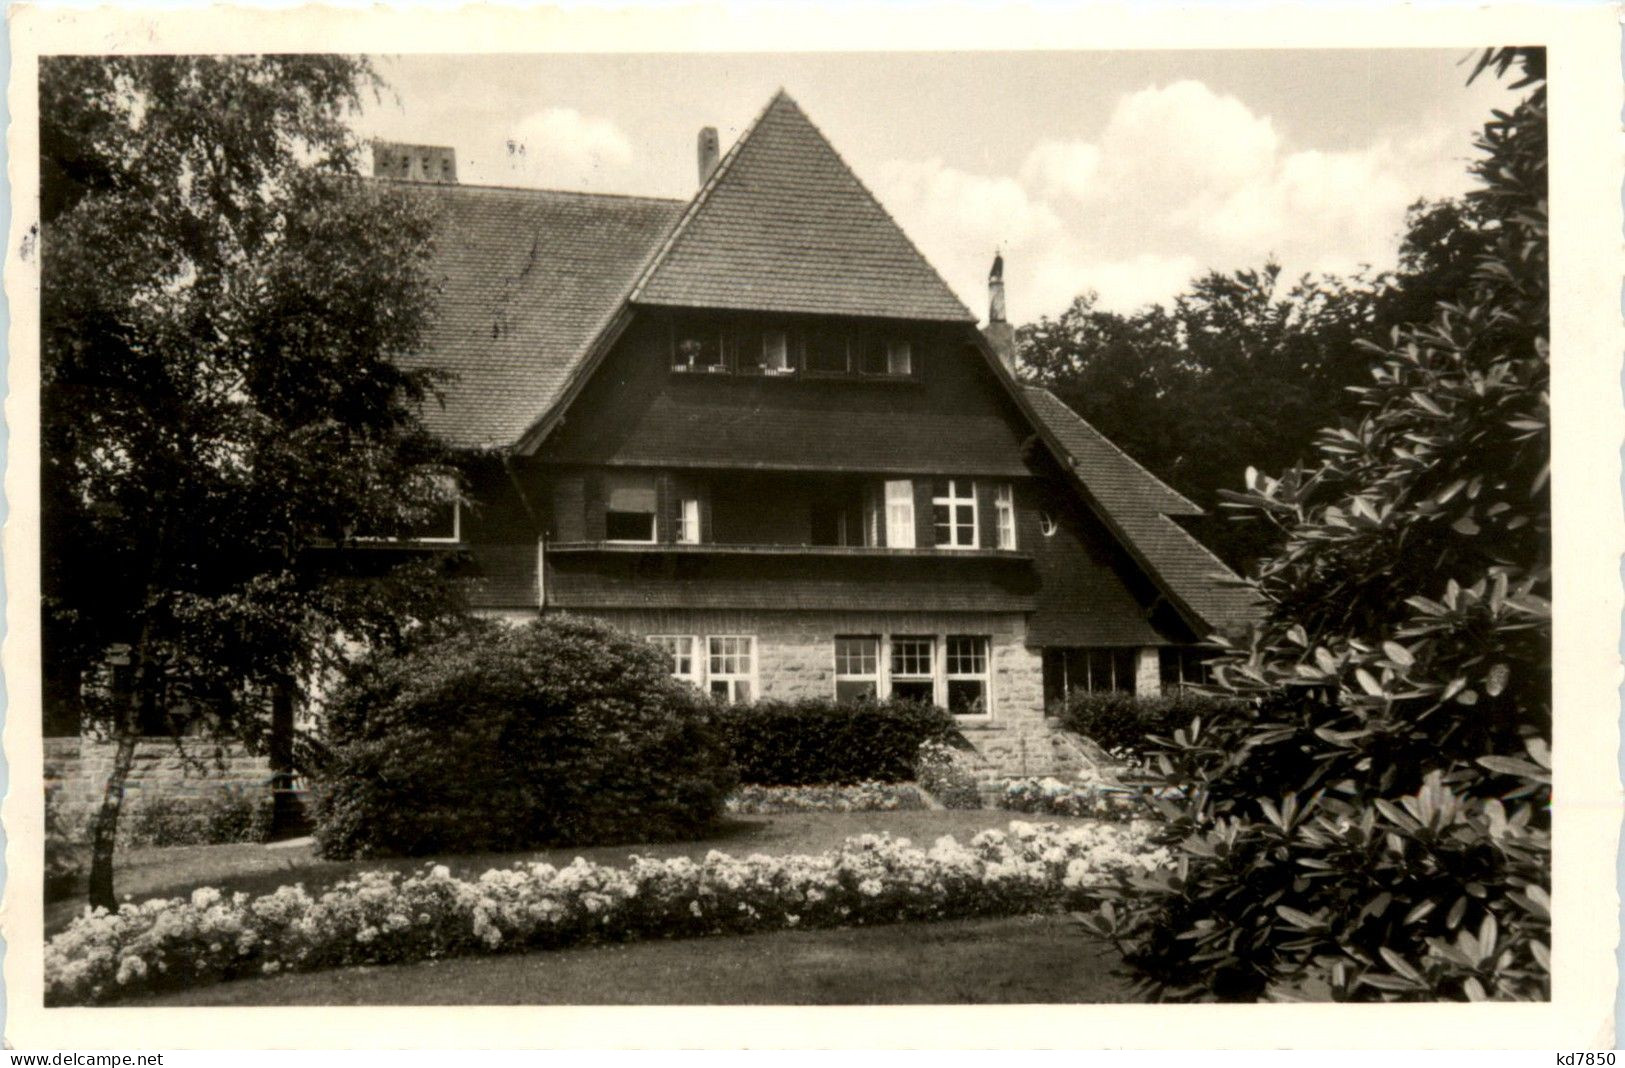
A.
pixel 1140 504
pixel 783 225
pixel 529 278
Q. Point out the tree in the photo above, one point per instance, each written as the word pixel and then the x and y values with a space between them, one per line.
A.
pixel 220 302
pixel 1373 823
pixel 1242 369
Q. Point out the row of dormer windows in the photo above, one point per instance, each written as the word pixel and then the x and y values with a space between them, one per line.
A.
pixel 704 346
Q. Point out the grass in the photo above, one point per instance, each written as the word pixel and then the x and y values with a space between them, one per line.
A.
pixel 177 870
pixel 1017 960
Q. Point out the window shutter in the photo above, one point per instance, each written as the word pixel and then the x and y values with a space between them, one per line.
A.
pixel 901 524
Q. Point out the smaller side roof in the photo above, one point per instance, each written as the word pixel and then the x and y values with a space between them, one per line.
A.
pixel 1141 504
pixel 528 280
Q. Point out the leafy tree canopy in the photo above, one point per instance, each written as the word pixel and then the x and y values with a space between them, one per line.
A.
pixel 1244 367
pixel 1373 822
pixel 220 302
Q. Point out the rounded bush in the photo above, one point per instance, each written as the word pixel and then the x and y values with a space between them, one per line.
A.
pixel 492 737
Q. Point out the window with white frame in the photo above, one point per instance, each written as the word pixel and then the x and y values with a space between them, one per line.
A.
pixel 966 663
pixel 953 504
pixel 899 514
pixel 629 507
pixel 731 667
pixel 685 664
pixel 688 521
pixel 911 669
pixel 1005 503
pixel 1181 666
pixel 857 668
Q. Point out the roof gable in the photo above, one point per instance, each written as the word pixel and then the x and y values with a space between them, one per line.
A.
pixel 783 225
pixel 1139 505
pixel 528 279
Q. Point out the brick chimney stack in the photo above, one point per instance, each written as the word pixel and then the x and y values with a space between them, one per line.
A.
pixel 1001 336
pixel 414 163
pixel 707 152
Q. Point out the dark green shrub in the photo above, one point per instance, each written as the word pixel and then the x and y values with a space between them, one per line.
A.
pixel 1374 822
pixel 213 817
pixel 1121 723
pixel 800 743
pixel 491 737
pixel 67 850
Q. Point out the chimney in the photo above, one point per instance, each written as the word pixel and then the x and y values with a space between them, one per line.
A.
pixel 414 163
pixel 707 152
pixel 1001 336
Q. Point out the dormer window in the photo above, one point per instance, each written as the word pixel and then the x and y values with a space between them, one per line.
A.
pixel 776 352
pixel 827 351
pixel 698 348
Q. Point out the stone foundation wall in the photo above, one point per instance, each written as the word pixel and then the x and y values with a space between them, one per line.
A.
pixel 76 770
pixel 796 659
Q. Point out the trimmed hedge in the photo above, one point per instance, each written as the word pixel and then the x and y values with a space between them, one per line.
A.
pixel 809 742
pixel 1121 722
pixel 492 737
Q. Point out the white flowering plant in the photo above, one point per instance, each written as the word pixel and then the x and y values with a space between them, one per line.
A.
pixel 387 917
pixel 1052 797
pixel 756 800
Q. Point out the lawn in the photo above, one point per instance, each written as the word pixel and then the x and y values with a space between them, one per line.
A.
pixel 257 869
pixel 1015 960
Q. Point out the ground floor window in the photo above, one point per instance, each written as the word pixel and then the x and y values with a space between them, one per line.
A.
pixel 967 675
pixel 1086 670
pixel 913 677
pixel 857 668
pixel 680 647
pixel 731 667
pixel 1180 667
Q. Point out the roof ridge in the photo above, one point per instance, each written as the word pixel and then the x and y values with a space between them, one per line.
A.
pixel 699 199
pixel 1113 446
pixel 481 187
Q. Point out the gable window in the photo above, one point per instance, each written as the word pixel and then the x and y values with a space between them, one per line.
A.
pixel 688 521
pixel 629 507
pixel 827 351
pixel 680 647
pixel 732 667
pixel 698 347
pixel 857 669
pixel 900 513
pixel 967 675
pixel 953 503
pixel 912 676
pixel 899 357
pixel 776 352
pixel 1005 503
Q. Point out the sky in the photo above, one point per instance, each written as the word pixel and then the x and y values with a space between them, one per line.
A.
pixel 1122 173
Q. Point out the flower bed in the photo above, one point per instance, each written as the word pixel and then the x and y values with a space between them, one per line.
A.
pixel 753 800
pixel 383 917
pixel 1052 797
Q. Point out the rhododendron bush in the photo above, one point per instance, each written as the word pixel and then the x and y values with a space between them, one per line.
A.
pixel 385 917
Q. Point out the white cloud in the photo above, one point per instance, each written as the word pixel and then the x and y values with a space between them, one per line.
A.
pixel 562 147
pixel 1180 180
